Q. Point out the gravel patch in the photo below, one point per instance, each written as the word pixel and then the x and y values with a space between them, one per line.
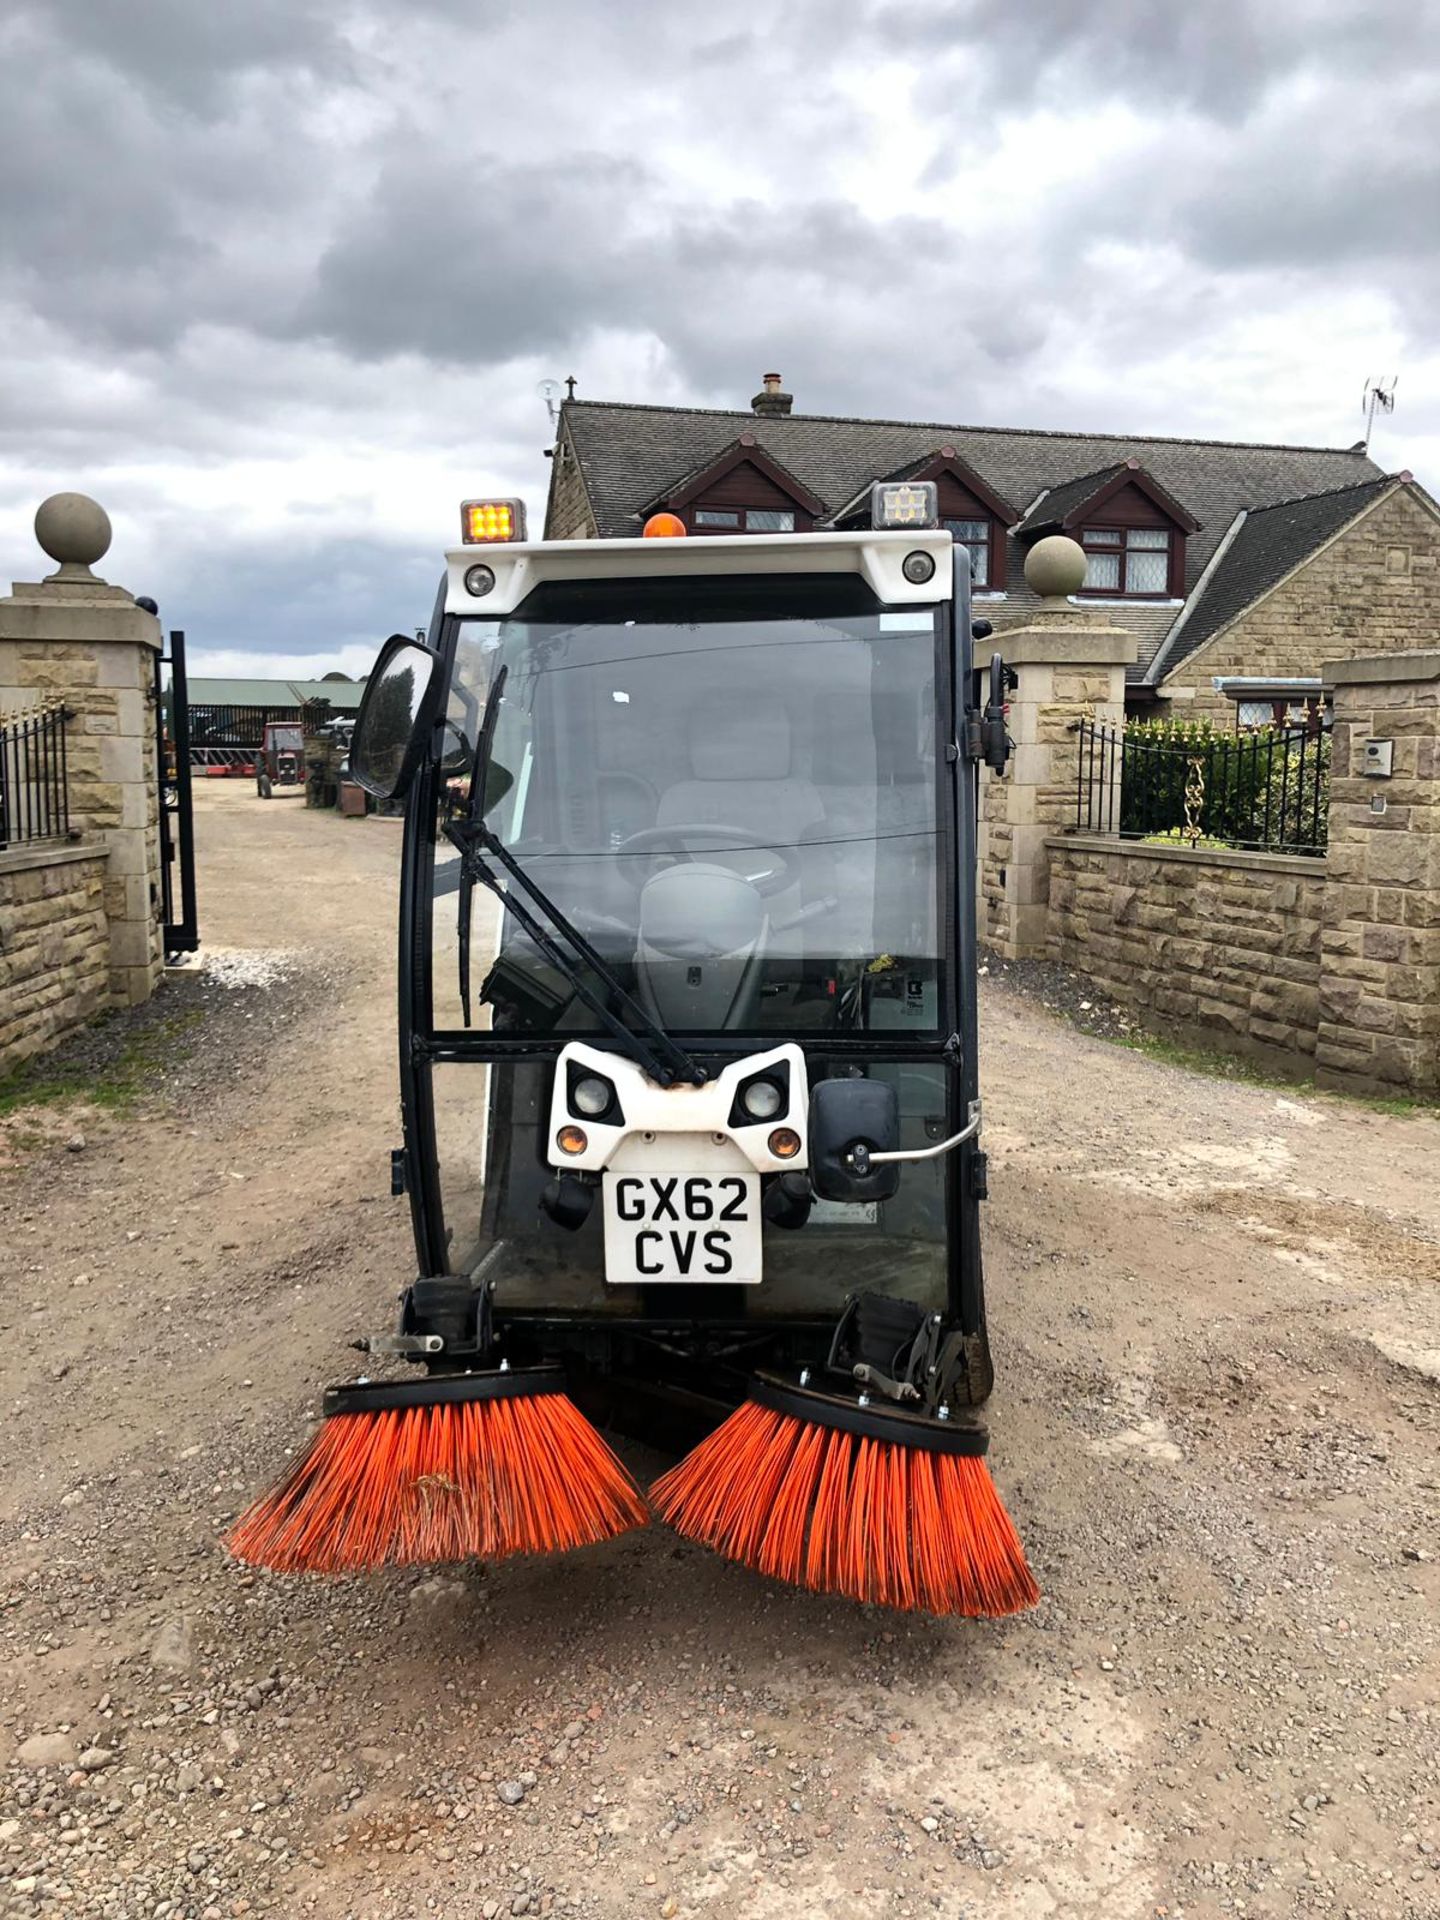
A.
pixel 1070 996
pixel 1224 1708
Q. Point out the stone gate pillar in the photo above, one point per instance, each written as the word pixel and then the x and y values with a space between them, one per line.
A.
pixel 74 637
pixel 1071 666
pixel 1380 936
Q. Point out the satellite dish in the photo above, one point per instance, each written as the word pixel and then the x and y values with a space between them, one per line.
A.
pixel 549 392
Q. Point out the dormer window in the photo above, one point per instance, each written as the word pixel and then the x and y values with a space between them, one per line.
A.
pixel 742 490
pixel 1129 562
pixel 744 520
pixel 1132 529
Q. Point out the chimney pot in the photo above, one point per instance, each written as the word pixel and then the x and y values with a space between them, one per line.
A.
pixel 771 402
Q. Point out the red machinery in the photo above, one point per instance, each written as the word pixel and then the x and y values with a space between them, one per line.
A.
pixel 281 759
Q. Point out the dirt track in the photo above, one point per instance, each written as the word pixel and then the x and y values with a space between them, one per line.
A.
pixel 1216 1311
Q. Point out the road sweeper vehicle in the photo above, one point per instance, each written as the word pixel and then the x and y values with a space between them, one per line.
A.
pixel 688 1073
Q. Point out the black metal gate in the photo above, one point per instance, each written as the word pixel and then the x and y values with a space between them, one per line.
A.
pixel 177 820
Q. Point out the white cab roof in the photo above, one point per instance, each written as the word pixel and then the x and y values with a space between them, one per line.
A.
pixel 524 565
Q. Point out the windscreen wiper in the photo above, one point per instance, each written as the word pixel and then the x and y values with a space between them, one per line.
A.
pixel 651 1047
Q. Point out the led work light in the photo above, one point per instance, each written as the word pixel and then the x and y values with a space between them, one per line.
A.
pixel 904 503
pixel 484 521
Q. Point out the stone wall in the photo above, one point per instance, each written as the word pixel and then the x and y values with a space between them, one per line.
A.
pixel 110 757
pixel 1210 945
pixel 80 640
pixel 54 946
pixel 1070 666
pixel 1374 590
pixel 1380 998
pixel 568 515
pixel 1331 962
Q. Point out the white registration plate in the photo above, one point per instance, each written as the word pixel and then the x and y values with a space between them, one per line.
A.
pixel 698 1227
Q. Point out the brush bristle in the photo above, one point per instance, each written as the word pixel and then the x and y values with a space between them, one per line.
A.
pixel 843 1513
pixel 415 1486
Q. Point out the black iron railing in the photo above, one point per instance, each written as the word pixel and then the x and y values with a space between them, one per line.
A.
pixel 215 726
pixel 34 792
pixel 1266 791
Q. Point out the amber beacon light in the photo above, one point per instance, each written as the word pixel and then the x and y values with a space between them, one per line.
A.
pixel 483 522
pixel 665 526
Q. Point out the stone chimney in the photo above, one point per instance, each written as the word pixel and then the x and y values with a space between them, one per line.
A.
pixel 770 403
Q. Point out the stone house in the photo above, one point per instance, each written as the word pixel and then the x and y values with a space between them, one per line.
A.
pixel 1242 570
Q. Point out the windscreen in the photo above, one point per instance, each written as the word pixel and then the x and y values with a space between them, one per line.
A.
pixel 730 790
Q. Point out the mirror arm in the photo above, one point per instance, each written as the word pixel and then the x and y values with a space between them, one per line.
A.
pixel 861 1159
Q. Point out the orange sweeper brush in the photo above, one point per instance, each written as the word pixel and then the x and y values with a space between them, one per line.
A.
pixel 472 1466
pixel 842 1497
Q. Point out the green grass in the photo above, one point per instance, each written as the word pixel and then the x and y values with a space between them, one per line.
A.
pixel 115 1084
pixel 1217 1065
pixel 1212 1062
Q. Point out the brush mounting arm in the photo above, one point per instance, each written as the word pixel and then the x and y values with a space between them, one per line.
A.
pixel 860 1158
pixel 408 1346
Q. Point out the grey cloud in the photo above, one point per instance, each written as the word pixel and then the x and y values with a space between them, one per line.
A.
pixel 1221 58
pixel 319 593
pixel 129 223
pixel 190 53
pixel 1299 196
pixel 556 251
pixel 473 262
pixel 238 232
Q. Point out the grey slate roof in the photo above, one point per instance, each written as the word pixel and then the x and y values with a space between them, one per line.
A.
pixel 1268 544
pixel 629 454
pixel 1056 502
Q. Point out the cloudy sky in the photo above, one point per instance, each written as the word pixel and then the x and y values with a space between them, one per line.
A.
pixel 279 278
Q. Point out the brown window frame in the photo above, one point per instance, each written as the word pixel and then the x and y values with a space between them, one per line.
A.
pixel 987 520
pixel 740 520
pixel 1120 547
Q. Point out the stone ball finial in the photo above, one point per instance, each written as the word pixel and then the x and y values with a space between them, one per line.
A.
pixel 1055 567
pixel 74 530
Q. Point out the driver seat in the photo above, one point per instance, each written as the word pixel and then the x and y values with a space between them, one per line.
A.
pixel 740 761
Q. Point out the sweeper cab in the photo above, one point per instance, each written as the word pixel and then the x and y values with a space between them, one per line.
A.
pixel 688 1068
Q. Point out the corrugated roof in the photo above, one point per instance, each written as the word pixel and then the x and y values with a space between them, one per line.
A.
pixel 1268 544
pixel 628 454
pixel 209 692
pixel 344 694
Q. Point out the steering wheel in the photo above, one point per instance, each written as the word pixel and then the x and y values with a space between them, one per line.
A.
pixel 781 870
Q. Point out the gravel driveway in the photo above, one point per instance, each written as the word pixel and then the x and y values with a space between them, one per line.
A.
pixel 1216 1316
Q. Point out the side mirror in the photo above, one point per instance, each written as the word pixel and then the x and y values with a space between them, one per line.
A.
pixel 995 742
pixel 396 715
pixel 849 1113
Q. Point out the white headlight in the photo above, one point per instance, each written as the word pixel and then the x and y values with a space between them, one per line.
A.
pixel 591 1096
pixel 762 1100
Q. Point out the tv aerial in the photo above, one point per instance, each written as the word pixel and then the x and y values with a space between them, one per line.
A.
pixel 1378 397
pixel 549 392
